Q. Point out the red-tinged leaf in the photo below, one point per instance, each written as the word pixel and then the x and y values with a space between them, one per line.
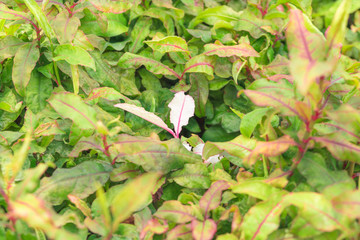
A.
pixel 72 106
pixel 212 197
pixel 148 116
pixel 257 189
pixel 109 6
pixel 348 203
pixel 240 147
pixel 168 44
pixel 203 230
pixel 8 47
pixel 262 219
pixel 182 231
pixel 106 93
pixel 347 117
pixel 129 60
pixel 340 148
pixel 174 211
pixel 236 219
pixel 81 205
pixel 270 149
pixel 307 50
pixel 9 14
pixel 200 64
pixel 241 50
pixel 182 109
pixel 24 62
pixel 337 29
pixel 288 106
pixel 154 226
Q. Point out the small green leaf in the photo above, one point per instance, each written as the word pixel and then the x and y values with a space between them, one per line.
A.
pixel 192 176
pixel 174 211
pixel 251 120
pixel 74 55
pixel 168 44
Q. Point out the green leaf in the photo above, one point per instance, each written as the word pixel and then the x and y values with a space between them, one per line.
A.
pixel 24 62
pixel 9 46
pixel 192 176
pixel 129 60
pixel 348 203
pixel 337 30
pixel 251 120
pixel 124 171
pixel 73 107
pixel 168 44
pixel 340 148
pixel 80 181
pixel 114 7
pixel 38 91
pixel 240 147
pixel 133 196
pixel 200 92
pixel 139 33
pixel 306 48
pixel 65 27
pixel 212 197
pixel 241 50
pixel 257 189
pixel 270 149
pixel 313 165
pixel 8 101
pixel 153 155
pixel 174 211
pixel 40 17
pixel 200 64
pixel 74 55
pixel 211 15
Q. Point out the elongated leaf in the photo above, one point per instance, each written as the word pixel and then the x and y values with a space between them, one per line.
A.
pixel 81 205
pixel 200 92
pixel 336 33
pixel 212 197
pixel 24 62
pixel 212 15
pixel 117 7
pixel 240 147
pixel 168 44
pixel 8 47
pixel 40 17
pixel 288 106
pixel 340 148
pixel 241 50
pixel 74 55
pixel 181 231
pixel 174 211
pixel 270 149
pixel 129 60
pixel 106 93
pixel 203 230
pixel 148 116
pixel 262 219
pixel 80 181
pixel 139 33
pixel 133 196
pixel 153 155
pixel 73 107
pixel 182 109
pixel 38 91
pixel 257 189
pixel 192 176
pixel 9 14
pixel 306 47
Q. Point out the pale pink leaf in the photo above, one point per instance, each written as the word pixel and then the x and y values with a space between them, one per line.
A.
pixel 148 116
pixel 182 109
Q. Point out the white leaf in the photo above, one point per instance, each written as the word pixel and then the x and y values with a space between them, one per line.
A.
pixel 187 146
pixel 198 149
pixel 182 109
pixel 148 116
pixel 214 159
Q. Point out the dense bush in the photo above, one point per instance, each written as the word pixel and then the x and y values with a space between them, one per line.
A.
pixel 183 119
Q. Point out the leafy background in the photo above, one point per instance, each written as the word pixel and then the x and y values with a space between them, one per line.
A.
pixel 271 152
